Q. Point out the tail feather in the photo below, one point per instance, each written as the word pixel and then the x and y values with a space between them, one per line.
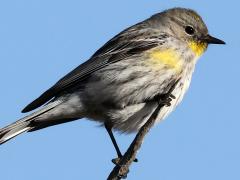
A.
pixel 23 124
pixel 8 133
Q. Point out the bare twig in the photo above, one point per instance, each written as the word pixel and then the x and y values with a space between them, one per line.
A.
pixel 122 167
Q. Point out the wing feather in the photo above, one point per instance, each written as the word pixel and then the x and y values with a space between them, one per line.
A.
pixel 122 46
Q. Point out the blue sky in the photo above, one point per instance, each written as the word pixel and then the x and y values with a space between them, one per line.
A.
pixel 40 41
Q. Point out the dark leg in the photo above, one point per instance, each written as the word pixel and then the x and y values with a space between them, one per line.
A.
pixel 109 130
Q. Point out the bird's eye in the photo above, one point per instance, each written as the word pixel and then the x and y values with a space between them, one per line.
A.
pixel 189 30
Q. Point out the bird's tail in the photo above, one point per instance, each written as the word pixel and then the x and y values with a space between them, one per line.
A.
pixel 23 124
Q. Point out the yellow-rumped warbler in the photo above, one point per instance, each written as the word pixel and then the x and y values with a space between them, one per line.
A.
pixel 120 85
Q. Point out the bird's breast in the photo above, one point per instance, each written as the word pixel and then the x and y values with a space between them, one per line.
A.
pixel 169 58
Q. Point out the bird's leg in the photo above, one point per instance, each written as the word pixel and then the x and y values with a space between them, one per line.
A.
pixel 119 154
pixel 110 133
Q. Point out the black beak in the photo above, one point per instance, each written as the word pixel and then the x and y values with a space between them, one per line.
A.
pixel 212 40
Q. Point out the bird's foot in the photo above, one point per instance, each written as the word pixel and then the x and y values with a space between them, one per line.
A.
pixel 166 99
pixel 117 160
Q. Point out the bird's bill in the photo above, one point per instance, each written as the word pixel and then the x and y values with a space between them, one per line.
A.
pixel 212 40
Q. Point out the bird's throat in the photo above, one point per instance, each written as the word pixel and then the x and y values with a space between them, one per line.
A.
pixel 197 47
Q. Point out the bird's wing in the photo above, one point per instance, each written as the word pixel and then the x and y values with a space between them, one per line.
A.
pixel 122 46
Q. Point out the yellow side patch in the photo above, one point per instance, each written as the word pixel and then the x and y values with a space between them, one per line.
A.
pixel 197 48
pixel 166 57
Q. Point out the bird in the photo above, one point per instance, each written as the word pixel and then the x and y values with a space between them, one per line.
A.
pixel 124 81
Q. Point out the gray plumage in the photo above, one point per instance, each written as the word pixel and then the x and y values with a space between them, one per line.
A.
pixel 118 83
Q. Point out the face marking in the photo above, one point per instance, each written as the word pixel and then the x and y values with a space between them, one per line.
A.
pixel 197 48
pixel 167 57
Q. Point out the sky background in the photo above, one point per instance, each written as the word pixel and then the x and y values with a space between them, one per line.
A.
pixel 40 41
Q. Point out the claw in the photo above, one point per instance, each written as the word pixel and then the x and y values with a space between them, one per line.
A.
pixel 135 160
pixel 166 99
pixel 172 96
pixel 117 160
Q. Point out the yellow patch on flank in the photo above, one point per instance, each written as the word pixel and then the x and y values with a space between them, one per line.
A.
pixel 197 48
pixel 167 57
